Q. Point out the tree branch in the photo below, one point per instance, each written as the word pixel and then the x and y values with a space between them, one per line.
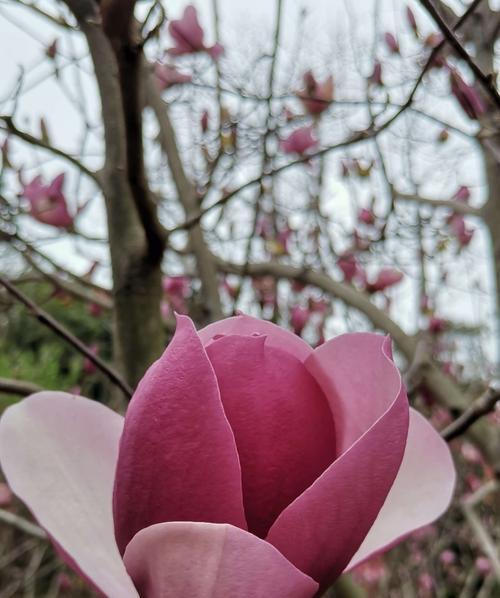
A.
pixel 485 404
pixel 18 387
pixel 47 320
pixel 11 129
pixel 486 81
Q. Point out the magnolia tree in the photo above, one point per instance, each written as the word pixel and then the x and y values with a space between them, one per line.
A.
pixel 329 169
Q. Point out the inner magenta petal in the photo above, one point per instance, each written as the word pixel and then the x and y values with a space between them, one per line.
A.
pixel 281 421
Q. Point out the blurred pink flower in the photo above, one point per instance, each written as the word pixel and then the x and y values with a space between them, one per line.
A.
pixel 412 22
pixel 89 366
pixel 6 496
pixel 467 95
pixel 391 42
pixel 483 565
pixel 460 230
pixel 366 216
pixel 316 96
pixel 376 76
pixel 188 35
pixel 299 317
pixel 248 464
pixel 387 277
pixel 462 194
pixel 47 202
pixel 177 289
pixel 351 269
pixel 300 141
pixel 167 75
pixel 447 557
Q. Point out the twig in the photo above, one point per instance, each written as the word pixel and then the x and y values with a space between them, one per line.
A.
pixel 46 319
pixel 11 128
pixel 18 387
pixel 487 81
pixel 482 406
pixel 22 524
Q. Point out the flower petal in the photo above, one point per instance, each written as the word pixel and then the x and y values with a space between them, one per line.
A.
pixel 207 560
pixel 58 453
pixel 281 421
pixel 421 492
pixel 178 458
pixel 359 381
pixel 321 530
pixel 246 325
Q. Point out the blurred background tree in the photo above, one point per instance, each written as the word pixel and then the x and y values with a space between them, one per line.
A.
pixel 331 166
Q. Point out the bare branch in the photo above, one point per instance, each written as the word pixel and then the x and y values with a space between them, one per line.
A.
pixel 11 129
pixel 485 404
pixel 47 320
pixel 18 387
pixel 487 81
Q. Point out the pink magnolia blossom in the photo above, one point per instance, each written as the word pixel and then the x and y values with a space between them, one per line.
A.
pixel 462 194
pixel 467 95
pixel 412 21
pixel 265 289
pixel 177 290
pixel 47 202
pixel 316 96
pixel 248 464
pixel 351 269
pixel 299 317
pixel 460 230
pixel 188 35
pixel 166 76
pixel 391 42
pixel 387 277
pixel 366 216
pixel 300 141
pixel 376 76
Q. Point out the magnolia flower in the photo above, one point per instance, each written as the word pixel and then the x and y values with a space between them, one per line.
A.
pixel 188 35
pixel 351 269
pixel 391 42
pixel 248 464
pixel 300 141
pixel 316 96
pixel 376 76
pixel 167 75
pixel 412 21
pixel 366 216
pixel 467 95
pixel 460 230
pixel 47 202
pixel 387 277
pixel 177 289
pixel 299 317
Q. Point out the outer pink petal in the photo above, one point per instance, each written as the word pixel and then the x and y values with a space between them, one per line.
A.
pixel 206 560
pixel 359 381
pixel 282 425
pixel 246 325
pixel 58 453
pixel 421 492
pixel 178 458
pixel 321 530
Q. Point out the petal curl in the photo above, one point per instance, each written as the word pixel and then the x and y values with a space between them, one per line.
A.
pixel 358 379
pixel 206 560
pixel 322 529
pixel 58 453
pixel 246 325
pixel 281 421
pixel 178 458
pixel 421 492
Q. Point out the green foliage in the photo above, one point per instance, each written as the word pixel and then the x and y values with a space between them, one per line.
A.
pixel 30 351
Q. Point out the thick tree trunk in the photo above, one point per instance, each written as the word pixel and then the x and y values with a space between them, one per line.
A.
pixel 138 338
